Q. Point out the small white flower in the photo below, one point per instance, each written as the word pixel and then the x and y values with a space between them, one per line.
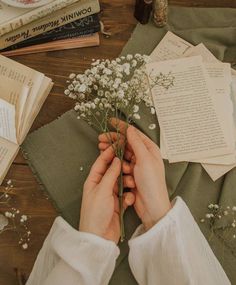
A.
pixel 24 245
pixel 152 126
pixel 234 208
pixel 216 207
pixel 120 94
pixel 129 56
pixel 202 220
pixel 71 87
pixel 234 236
pixel 24 217
pixel 135 108
pixel 81 168
pixel 226 213
pixel 233 225
pixel 208 216
pixel 211 206
pixel 82 88
pixel 72 76
pixel 136 116
pixel 3 222
pixel 153 111
pixel 134 63
pixel 9 182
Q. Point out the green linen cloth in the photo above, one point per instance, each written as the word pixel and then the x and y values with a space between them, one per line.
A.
pixel 57 151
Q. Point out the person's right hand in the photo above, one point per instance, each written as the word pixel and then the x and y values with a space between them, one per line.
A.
pixel 145 174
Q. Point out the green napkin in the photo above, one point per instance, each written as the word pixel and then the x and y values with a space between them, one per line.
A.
pixel 62 152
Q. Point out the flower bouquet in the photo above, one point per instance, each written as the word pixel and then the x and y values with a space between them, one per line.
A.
pixel 112 89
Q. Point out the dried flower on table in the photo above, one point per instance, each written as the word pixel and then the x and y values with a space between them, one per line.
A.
pixel 227 215
pixel 11 218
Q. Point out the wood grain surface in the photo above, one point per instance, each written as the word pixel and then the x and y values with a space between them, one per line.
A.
pixel 117 16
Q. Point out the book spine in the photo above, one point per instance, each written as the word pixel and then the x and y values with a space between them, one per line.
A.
pixel 82 25
pixel 67 15
pixel 34 15
pixel 59 36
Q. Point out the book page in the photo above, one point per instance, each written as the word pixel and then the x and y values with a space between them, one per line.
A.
pixel 7 121
pixel 14 93
pixel 215 170
pixel 20 74
pixel 8 152
pixel 220 77
pixel 170 47
pixel 186 111
pixel 44 90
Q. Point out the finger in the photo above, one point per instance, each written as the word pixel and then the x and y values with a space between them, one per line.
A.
pixel 128 181
pixel 120 125
pixel 111 136
pixel 116 189
pixel 99 167
pixel 128 155
pixel 128 199
pixel 150 145
pixel 110 177
pixel 127 168
pixel 103 146
pixel 138 146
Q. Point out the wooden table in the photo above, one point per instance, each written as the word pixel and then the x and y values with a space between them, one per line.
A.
pixel 117 16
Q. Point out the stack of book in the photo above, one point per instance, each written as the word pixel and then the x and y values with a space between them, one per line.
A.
pixel 59 24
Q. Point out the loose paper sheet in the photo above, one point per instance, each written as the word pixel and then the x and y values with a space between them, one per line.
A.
pixel 187 112
pixel 220 77
pixel 171 47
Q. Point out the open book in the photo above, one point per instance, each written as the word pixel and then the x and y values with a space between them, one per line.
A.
pixel 22 94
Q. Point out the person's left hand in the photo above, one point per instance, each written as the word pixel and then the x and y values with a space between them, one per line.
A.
pixel 100 205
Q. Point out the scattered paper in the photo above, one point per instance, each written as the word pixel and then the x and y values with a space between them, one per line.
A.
pixel 187 112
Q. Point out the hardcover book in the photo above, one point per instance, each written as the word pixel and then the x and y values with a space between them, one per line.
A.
pixel 86 26
pixel 12 18
pixel 77 42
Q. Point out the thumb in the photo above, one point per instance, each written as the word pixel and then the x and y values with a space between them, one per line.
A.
pixel 109 179
pixel 136 143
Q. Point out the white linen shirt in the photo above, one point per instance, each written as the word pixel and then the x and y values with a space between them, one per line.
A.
pixel 174 251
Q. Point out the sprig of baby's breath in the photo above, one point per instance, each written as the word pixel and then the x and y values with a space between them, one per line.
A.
pixel 11 219
pixel 109 89
pixel 227 232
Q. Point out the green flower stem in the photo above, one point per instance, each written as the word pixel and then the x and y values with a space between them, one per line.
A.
pixel 121 190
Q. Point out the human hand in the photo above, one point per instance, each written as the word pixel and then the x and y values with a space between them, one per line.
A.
pixel 145 174
pixel 100 205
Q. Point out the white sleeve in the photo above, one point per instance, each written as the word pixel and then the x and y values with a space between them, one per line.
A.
pixel 174 252
pixel 74 258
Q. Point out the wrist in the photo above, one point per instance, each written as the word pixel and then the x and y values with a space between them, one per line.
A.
pixel 156 216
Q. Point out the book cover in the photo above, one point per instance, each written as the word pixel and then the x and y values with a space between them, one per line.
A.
pixel 81 27
pixel 79 42
pixel 12 18
pixel 59 18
